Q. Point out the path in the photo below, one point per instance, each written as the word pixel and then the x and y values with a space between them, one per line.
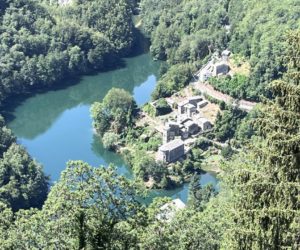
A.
pixel 209 90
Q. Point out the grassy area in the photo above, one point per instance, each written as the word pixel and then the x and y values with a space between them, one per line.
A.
pixel 212 163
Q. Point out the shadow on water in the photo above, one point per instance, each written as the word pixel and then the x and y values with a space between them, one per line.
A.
pixel 31 117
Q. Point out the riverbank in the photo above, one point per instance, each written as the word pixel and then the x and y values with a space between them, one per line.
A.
pixel 140 143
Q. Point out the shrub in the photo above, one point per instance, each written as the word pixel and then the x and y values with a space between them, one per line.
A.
pixel 110 140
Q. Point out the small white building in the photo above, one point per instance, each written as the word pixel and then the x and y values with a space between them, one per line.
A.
pixel 181 107
pixel 169 210
pixel 225 55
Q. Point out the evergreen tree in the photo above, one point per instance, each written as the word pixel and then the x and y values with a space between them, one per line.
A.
pixel 265 184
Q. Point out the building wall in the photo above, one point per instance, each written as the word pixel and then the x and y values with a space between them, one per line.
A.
pixel 176 153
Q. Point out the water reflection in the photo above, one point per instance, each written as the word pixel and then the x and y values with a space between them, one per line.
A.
pixel 37 114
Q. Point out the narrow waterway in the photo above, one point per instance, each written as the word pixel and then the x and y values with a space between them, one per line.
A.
pixel 56 126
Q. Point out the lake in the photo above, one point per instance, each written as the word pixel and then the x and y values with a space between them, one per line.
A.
pixel 56 126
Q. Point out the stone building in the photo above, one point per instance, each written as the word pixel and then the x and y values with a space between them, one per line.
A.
pixel 181 107
pixel 191 127
pixel 171 130
pixel 195 100
pixel 225 55
pixel 217 66
pixel 202 104
pixel 171 151
pixel 221 68
pixel 204 124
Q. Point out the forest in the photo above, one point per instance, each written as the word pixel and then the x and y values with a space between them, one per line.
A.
pixel 41 44
pixel 185 33
pixel 258 206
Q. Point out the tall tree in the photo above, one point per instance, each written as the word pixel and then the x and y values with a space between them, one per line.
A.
pixel 266 183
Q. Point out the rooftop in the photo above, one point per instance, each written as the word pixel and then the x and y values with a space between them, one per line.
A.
pixel 182 103
pixel 197 97
pixel 171 145
pixel 190 106
pixel 226 52
pixel 203 119
pixel 189 123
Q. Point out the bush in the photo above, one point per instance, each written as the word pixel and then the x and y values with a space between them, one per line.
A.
pixel 162 107
pixel 227 152
pixel 110 140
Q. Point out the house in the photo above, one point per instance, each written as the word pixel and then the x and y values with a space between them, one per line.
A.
pixel 190 109
pixel 202 104
pixel 171 151
pixel 194 100
pixel 204 124
pixel 191 127
pixel 170 131
pixel 181 107
pixel 168 210
pixel 221 68
pixel 225 55
pixel 215 67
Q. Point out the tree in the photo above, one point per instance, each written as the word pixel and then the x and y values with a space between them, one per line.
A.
pixel 163 107
pixel 115 113
pixel 22 181
pixel 6 137
pixel 89 208
pixel 266 182
pixel 110 140
pixel 199 196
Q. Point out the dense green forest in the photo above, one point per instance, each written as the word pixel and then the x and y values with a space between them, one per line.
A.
pixel 41 44
pixel 186 32
pixel 258 206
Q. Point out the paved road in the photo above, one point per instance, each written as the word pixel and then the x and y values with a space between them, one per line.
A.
pixel 209 90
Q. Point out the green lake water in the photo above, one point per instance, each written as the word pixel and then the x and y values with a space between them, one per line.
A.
pixel 56 126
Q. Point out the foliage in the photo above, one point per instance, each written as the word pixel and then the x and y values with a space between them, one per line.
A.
pixel 42 44
pixel 203 143
pixel 88 208
pixel 6 137
pixel 115 113
pixel 237 86
pixel 199 196
pixel 227 152
pixel 265 182
pixel 149 109
pixel 162 107
pixel 22 181
pixel 227 123
pixel 110 140
pixel 177 77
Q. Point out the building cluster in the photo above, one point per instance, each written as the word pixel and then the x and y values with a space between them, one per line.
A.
pixel 189 123
pixel 217 66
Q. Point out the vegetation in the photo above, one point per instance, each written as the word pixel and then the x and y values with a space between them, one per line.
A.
pixel 162 107
pixel 95 208
pixel 236 86
pixel 266 182
pixel 110 140
pixel 184 32
pixel 115 113
pixel 88 208
pixel 227 123
pixel 22 182
pixel 41 44
pixel 177 77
